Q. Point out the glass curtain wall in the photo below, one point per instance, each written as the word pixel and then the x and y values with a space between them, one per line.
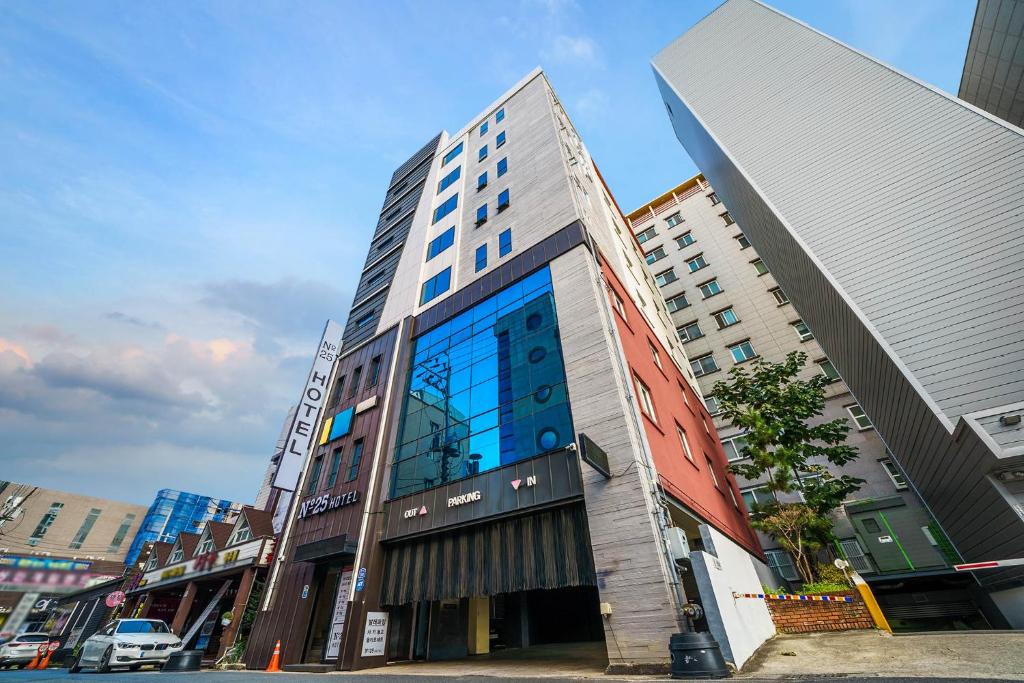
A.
pixel 485 389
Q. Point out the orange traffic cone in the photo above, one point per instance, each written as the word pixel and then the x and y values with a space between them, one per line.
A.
pixel 275 660
pixel 35 660
pixel 46 660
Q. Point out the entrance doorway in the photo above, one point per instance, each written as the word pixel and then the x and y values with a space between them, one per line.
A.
pixel 327 618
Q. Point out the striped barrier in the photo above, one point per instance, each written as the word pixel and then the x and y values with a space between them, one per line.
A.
pixel 784 596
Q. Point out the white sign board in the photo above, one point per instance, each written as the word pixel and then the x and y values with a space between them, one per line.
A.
pixel 301 433
pixel 375 635
pixel 340 610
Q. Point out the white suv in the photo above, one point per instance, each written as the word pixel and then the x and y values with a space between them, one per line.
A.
pixel 21 649
pixel 127 642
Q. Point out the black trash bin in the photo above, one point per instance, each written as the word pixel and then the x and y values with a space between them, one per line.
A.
pixel 186 660
pixel 696 655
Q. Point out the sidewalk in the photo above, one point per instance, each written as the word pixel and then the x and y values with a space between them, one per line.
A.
pixel 954 654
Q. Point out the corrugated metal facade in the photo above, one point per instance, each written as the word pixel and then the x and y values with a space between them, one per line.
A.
pixel 892 215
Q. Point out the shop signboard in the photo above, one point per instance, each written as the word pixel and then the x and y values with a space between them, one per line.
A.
pixel 340 610
pixel 375 635
pixel 251 552
pixel 314 393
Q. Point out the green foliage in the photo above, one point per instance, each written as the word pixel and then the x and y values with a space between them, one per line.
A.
pixel 829 573
pixel 824 587
pixel 784 448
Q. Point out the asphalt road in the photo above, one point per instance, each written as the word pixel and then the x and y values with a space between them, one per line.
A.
pixel 237 676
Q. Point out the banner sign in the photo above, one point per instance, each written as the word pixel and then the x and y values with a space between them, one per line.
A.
pixel 340 610
pixel 376 634
pixel 308 413
pixel 21 562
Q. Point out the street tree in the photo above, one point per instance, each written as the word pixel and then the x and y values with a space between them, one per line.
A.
pixel 787 450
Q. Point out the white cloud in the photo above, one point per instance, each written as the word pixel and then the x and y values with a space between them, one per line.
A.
pixel 577 50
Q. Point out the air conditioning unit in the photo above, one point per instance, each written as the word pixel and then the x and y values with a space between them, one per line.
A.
pixel 678 546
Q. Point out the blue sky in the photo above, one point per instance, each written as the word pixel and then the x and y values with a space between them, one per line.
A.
pixel 187 191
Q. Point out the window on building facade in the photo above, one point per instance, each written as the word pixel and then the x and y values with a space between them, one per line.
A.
pixel 782 562
pixel 500 140
pixel 449 179
pixel 742 240
pixel 482 154
pixel 483 128
pixel 760 267
pixel 456 151
pixel 742 352
pixel 711 403
pixel 481 181
pixel 674 220
pixel 436 286
pixel 121 533
pixel 353 386
pixel 503 200
pixel 314 473
pixel 655 356
pixel 620 306
pixel 206 546
pixel 734 448
pixel 503 167
pixel 727 218
pixel 860 418
pixel 666 277
pixel 44 523
pixel 489 409
pixel 332 472
pixel 802 331
pixel 828 369
pixel 481 215
pixel 684 442
pixel 780 296
pixel 714 199
pixel 500 116
pixel 703 365
pixel 757 495
pixel 645 398
pixel 241 534
pixel 374 376
pixel 505 242
pixel 689 332
pixel 856 556
pixel 677 303
pixel 696 263
pixel 711 472
pixel 446 208
pixel 685 240
pixel 725 318
pixel 481 257
pixel 83 531
pixel 655 255
pixel 357 458
pixel 177 555
pixel 365 319
pixel 647 234
pixel 441 242
pixel 710 288
pixel 894 473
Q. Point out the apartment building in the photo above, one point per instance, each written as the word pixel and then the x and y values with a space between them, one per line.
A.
pixel 892 216
pixel 993 76
pixel 53 543
pixel 728 310
pixel 511 435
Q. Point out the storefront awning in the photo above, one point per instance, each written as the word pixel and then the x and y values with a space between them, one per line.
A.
pixel 549 549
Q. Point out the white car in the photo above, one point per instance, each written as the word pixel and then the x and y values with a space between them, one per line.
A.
pixel 21 649
pixel 127 642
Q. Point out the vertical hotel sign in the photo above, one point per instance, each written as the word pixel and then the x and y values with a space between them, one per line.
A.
pixel 314 394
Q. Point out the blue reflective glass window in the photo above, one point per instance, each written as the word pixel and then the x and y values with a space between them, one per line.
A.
pixel 481 214
pixel 483 153
pixel 436 285
pixel 500 116
pixel 441 242
pixel 452 154
pixel 505 242
pixel 500 140
pixel 483 128
pixel 449 179
pixel 485 389
pixel 481 257
pixel 481 182
pixel 503 200
pixel 503 167
pixel 446 207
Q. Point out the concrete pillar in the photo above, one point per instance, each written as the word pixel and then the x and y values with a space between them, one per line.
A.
pixel 227 636
pixel 479 626
pixel 184 607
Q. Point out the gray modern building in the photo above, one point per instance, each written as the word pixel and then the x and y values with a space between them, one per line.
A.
pixel 993 76
pixel 891 214
pixel 728 310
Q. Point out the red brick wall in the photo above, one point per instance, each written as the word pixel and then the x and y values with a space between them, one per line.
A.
pixel 798 616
